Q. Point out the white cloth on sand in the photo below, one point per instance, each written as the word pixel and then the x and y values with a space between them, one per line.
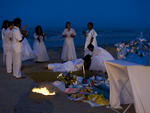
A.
pixel 68 51
pixel 69 66
pixel 99 56
pixel 40 49
pixel 89 35
pixel 27 52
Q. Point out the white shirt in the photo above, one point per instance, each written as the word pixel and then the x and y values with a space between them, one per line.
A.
pixel 17 37
pixel 89 35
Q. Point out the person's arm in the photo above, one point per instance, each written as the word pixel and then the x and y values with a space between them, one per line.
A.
pixel 64 34
pixel 37 37
pixel 91 41
pixel 18 36
pixel 22 39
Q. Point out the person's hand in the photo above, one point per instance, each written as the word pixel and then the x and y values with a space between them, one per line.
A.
pixel 44 35
pixel 84 33
pixel 72 35
pixel 64 36
pixel 24 33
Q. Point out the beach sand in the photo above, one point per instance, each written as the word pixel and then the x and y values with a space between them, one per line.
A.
pixel 16 96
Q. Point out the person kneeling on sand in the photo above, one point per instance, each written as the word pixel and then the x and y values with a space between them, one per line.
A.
pixel 98 57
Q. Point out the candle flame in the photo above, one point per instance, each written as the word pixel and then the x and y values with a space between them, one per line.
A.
pixel 43 91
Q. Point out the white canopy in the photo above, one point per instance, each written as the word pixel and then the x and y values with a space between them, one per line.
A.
pixel 140 82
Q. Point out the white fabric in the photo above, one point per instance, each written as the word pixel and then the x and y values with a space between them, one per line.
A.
pixel 120 87
pixel 3 43
pixel 40 49
pixel 27 52
pixel 17 64
pixel 68 51
pixel 69 66
pixel 8 50
pixel 17 49
pixel 89 35
pixel 17 37
pixel 140 80
pixel 99 56
pixel 3 38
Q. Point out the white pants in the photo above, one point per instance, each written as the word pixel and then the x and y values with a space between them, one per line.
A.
pixel 9 58
pixel 17 64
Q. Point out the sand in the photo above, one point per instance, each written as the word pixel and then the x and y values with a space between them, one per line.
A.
pixel 16 96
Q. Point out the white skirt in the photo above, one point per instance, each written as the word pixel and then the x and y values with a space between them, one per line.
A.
pixel 27 52
pixel 97 62
pixel 68 52
pixel 40 51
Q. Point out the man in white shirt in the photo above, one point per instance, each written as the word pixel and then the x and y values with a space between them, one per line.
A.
pixel 17 48
pixel 90 36
pixel 8 47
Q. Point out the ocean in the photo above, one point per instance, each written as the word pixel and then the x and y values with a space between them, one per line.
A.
pixel 105 37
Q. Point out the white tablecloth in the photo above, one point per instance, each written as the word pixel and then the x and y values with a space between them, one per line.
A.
pixel 140 82
pixel 120 87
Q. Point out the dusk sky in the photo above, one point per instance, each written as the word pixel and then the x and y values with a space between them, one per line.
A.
pixel 130 14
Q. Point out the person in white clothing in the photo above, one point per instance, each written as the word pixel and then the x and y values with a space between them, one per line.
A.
pixel 39 46
pixel 17 48
pixel 90 36
pixel 4 28
pixel 8 47
pixel 27 52
pixel 98 57
pixel 68 51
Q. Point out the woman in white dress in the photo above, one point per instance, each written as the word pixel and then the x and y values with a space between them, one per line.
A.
pixel 27 52
pixel 90 36
pixel 68 51
pixel 98 57
pixel 39 46
pixel 4 28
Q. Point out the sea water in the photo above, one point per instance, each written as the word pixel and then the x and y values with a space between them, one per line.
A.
pixel 105 37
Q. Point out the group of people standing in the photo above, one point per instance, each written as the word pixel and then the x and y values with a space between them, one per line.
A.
pixel 68 52
pixel 16 47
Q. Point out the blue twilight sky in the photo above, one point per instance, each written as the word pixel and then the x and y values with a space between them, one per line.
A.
pixel 106 14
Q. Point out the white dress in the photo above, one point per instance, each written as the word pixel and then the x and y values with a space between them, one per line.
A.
pixel 27 52
pixel 99 56
pixel 68 51
pixel 40 49
pixel 89 35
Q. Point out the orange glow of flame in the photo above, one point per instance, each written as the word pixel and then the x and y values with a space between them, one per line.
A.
pixel 43 91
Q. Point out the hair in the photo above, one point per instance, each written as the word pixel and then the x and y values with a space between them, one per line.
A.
pixel 90 46
pixel 36 30
pixel 5 24
pixel 91 23
pixel 17 21
pixel 67 23
pixel 10 23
